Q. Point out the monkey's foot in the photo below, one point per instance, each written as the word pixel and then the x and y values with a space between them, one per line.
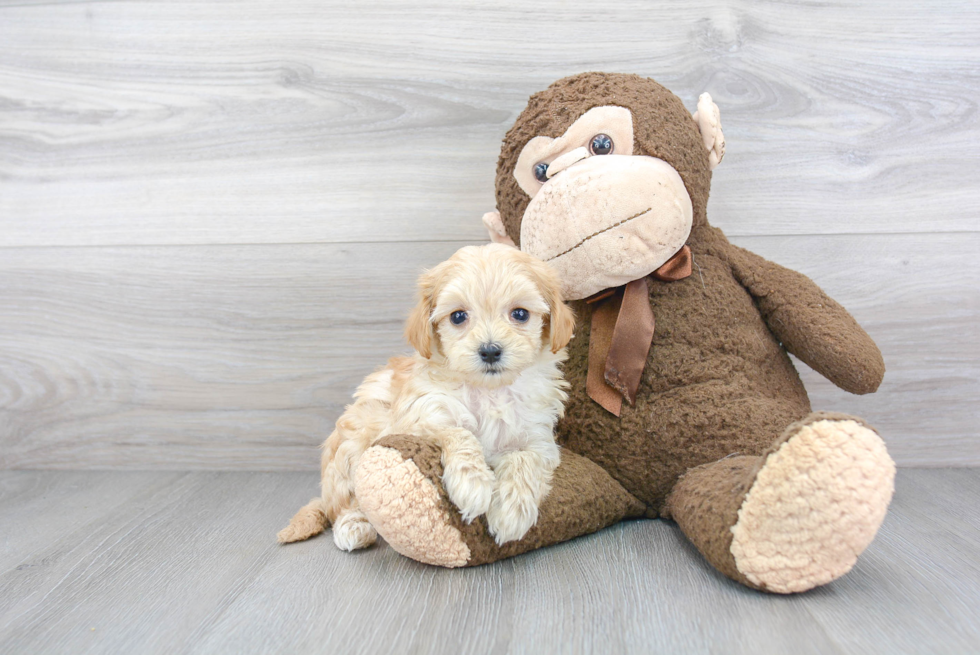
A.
pixel 398 486
pixel 795 517
pixel 815 505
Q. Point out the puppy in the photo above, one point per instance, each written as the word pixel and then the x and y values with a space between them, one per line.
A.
pixel 484 384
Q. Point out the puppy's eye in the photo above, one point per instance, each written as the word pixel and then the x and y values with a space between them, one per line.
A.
pixel 541 172
pixel 457 318
pixel 601 145
pixel 520 315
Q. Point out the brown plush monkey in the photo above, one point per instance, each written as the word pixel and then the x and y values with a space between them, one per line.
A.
pixel 684 402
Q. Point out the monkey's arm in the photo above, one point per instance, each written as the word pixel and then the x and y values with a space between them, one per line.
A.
pixel 809 323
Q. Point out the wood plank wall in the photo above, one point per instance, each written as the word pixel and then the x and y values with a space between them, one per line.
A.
pixel 212 214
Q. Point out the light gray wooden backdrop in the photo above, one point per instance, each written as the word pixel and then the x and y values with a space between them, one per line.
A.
pixel 212 214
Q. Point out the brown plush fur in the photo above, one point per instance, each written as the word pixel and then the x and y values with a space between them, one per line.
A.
pixel 719 391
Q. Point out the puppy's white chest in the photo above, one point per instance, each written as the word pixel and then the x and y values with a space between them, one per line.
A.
pixel 499 425
pixel 496 406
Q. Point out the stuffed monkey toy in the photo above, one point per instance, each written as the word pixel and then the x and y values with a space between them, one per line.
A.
pixel 684 403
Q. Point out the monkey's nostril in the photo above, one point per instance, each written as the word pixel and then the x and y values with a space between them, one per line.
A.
pixel 490 353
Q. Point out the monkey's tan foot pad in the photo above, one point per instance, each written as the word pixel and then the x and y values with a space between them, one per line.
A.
pixel 409 509
pixel 815 505
pixel 398 486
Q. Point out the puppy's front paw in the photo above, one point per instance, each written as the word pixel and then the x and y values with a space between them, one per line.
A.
pixel 513 511
pixel 469 484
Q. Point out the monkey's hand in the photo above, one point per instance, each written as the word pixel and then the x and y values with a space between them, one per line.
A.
pixel 809 323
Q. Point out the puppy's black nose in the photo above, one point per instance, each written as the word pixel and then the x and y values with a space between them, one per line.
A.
pixel 490 352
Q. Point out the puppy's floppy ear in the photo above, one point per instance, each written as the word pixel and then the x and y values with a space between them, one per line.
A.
pixel 562 325
pixel 562 320
pixel 419 329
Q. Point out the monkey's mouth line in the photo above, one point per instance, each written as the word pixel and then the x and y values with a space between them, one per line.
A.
pixel 597 233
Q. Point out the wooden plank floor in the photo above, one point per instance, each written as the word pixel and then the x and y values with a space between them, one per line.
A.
pixel 186 562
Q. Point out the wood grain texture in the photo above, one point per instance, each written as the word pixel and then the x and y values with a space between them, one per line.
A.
pixel 144 122
pixel 212 214
pixel 188 563
pixel 244 356
pixel 176 357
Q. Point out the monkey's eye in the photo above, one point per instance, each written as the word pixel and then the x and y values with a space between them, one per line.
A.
pixel 520 315
pixel 601 145
pixel 457 317
pixel 541 172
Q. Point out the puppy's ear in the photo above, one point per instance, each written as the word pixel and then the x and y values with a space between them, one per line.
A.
pixel 419 329
pixel 562 325
pixel 562 320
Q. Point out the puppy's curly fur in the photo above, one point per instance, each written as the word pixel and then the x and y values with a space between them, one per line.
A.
pixel 484 384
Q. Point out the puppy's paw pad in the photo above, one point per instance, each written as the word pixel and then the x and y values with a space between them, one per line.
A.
pixel 352 532
pixel 511 515
pixel 469 486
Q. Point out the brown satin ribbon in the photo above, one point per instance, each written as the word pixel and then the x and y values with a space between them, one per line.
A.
pixel 621 334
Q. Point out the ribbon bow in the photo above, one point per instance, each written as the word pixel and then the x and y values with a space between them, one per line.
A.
pixel 622 331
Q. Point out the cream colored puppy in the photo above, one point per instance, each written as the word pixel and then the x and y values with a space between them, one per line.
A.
pixel 484 384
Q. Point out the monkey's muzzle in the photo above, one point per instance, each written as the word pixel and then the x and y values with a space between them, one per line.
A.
pixel 608 220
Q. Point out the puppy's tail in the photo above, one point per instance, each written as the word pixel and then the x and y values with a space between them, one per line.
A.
pixel 310 520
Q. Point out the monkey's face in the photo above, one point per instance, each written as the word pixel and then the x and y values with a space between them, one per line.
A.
pixel 604 176
pixel 600 215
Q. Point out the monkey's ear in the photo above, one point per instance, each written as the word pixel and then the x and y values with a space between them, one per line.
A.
pixel 708 119
pixel 495 226
pixel 419 329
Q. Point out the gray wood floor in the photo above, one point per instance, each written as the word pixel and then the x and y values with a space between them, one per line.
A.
pixel 166 562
